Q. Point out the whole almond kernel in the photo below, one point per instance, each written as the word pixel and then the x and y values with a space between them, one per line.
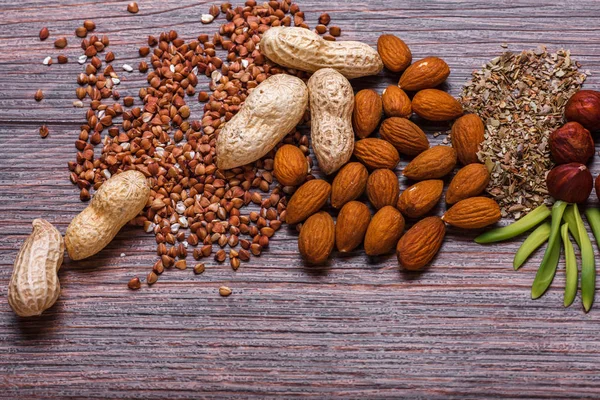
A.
pixel 420 198
pixel 351 225
pixel 383 232
pixel 434 163
pixel 348 184
pixel 436 105
pixel 469 181
pixel 467 136
pixel 404 135
pixel 473 213
pixel 290 166
pixel 383 188
pixel 420 243
pixel 376 153
pixel 394 53
pixel 396 102
pixel 317 238
pixel 308 199
pixel 424 74
pixel 367 112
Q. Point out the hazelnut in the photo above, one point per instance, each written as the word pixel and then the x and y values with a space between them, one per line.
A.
pixel 584 107
pixel 571 143
pixel 570 182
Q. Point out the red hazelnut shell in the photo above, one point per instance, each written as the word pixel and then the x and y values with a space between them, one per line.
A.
pixel 571 182
pixel 584 107
pixel 571 143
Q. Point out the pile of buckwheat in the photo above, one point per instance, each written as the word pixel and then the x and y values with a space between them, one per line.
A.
pixel 194 207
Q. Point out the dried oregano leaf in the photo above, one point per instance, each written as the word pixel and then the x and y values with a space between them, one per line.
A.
pixel 521 99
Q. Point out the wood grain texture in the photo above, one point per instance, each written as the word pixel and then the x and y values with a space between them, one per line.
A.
pixel 359 328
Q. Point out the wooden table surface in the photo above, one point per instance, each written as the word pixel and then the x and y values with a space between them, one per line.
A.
pixel 357 328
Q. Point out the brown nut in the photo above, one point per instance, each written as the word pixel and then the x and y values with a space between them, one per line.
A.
pixel 584 107
pixel 376 153
pixel 367 112
pixel 469 181
pixel 571 143
pixel 420 198
pixel 383 231
pixel 394 53
pixel 351 226
pixel 424 74
pixel 421 243
pixel 290 166
pixel 571 182
pixel 404 135
pixel 308 199
pixel 436 105
pixel 348 184
pixel 317 237
pixel 383 188
pixel 467 135
pixel 396 102
pixel 473 213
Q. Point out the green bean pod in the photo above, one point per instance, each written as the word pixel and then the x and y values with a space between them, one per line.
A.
pixel 570 266
pixel 516 228
pixel 569 218
pixel 588 270
pixel 547 270
pixel 538 237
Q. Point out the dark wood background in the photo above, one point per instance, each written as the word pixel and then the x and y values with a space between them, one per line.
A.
pixel 359 328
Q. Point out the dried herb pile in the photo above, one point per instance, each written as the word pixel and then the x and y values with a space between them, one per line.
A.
pixel 521 99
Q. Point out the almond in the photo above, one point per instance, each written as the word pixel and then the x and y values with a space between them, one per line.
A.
pixel 349 184
pixel 376 153
pixel 404 135
pixel 467 136
pixel 424 74
pixel 394 53
pixel 367 112
pixel 421 243
pixel 436 105
pixel 308 199
pixel 290 166
pixel 396 102
pixel 317 237
pixel 383 188
pixel 351 226
pixel 420 198
pixel 434 163
pixel 473 213
pixel 469 181
pixel 383 232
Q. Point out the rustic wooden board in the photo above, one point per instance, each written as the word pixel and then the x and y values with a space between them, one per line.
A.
pixel 358 328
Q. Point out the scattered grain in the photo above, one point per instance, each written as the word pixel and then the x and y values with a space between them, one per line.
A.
pixel 225 291
pixel 133 7
pixel 134 283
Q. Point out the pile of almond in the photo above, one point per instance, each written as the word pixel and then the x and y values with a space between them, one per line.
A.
pixel 371 171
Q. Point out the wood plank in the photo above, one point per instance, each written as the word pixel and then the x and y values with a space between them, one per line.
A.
pixel 358 328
